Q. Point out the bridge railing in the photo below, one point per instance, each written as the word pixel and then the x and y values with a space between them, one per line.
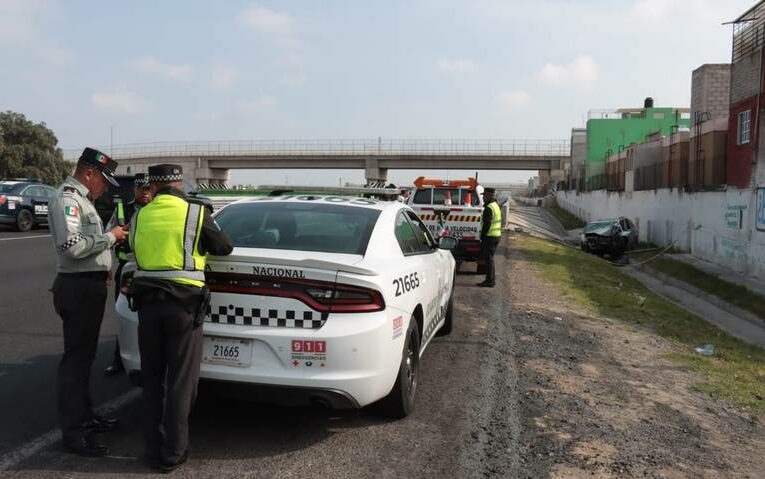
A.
pixel 382 147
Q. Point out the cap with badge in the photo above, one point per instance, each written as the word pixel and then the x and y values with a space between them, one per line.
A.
pixel 103 163
pixel 141 180
pixel 165 173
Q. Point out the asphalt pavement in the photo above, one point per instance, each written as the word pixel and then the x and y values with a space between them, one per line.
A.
pixel 31 340
pixel 465 423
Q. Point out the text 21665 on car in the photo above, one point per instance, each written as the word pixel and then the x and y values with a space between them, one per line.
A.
pixel 328 299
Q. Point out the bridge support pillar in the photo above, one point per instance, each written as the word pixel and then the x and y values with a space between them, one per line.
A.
pixel 373 172
pixel 204 175
pixel 211 176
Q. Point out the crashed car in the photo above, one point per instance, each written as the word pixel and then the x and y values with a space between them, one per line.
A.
pixel 612 237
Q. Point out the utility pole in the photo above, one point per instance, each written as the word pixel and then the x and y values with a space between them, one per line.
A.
pixel 111 139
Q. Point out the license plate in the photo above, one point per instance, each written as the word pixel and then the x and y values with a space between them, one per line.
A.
pixel 227 351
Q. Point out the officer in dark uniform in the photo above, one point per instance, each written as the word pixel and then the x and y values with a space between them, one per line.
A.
pixel 491 232
pixel 84 261
pixel 170 238
pixel 123 215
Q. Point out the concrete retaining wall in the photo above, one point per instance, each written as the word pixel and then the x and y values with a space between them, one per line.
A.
pixel 716 226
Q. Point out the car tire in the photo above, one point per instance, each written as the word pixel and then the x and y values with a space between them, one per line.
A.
pixel 24 221
pixel 399 403
pixel 446 329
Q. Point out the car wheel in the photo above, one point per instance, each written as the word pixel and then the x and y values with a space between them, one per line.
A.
pixel 399 403
pixel 446 329
pixel 24 221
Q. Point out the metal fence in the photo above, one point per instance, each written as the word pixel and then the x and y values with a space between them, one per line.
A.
pixel 749 32
pixel 381 147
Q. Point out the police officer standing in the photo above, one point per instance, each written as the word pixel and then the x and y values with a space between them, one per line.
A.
pixel 170 238
pixel 123 215
pixel 79 294
pixel 491 232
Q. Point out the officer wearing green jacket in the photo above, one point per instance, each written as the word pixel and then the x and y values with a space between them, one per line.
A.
pixel 491 232
pixel 171 238
pixel 123 215
pixel 84 260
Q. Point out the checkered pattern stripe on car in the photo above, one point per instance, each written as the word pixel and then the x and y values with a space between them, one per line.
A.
pixel 275 318
pixel 71 242
pixel 451 218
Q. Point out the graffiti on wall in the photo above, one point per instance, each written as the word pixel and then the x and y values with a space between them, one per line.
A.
pixel 734 216
pixel 760 209
pixel 731 248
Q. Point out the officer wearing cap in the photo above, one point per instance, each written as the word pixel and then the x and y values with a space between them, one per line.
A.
pixel 123 215
pixel 491 232
pixel 79 294
pixel 170 238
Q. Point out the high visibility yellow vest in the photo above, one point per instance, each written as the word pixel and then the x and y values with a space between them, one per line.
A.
pixel 165 241
pixel 495 229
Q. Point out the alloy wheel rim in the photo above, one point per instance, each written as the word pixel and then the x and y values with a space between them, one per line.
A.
pixel 411 365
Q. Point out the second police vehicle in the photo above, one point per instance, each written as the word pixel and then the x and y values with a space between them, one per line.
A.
pixel 327 298
pixel 24 203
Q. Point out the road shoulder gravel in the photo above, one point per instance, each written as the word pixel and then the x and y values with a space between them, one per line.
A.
pixel 601 398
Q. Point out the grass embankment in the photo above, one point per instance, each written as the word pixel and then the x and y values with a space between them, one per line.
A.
pixel 735 373
pixel 568 220
pixel 732 293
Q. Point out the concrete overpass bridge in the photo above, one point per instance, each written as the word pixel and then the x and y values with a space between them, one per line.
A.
pixel 210 162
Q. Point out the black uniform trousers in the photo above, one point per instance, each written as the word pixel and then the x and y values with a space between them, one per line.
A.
pixel 171 352
pixel 79 298
pixel 488 248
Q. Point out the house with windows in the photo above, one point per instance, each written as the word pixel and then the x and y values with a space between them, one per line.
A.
pixel 746 89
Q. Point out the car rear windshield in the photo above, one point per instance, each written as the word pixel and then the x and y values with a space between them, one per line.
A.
pixel 598 225
pixel 296 226
pixel 10 187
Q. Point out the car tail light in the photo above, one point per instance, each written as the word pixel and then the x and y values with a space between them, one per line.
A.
pixel 2 200
pixel 322 296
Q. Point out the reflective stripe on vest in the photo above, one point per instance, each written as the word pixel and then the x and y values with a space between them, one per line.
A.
pixel 165 241
pixel 495 230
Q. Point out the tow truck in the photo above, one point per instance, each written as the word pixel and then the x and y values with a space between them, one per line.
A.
pixel 452 208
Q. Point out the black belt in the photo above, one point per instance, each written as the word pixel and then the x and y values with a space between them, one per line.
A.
pixel 87 274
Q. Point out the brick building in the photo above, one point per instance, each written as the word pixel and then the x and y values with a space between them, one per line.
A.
pixel 746 89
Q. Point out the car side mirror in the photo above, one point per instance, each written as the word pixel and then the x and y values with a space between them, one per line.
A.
pixel 447 242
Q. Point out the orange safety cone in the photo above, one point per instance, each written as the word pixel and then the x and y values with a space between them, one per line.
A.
pixel 469 198
pixel 448 198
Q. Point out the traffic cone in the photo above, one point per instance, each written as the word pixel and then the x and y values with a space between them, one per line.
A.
pixel 469 198
pixel 448 198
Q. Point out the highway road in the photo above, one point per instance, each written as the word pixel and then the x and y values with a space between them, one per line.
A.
pixel 463 391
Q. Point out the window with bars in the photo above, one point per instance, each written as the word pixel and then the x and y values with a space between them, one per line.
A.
pixel 744 127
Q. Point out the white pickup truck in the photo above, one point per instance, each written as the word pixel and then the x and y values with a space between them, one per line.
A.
pixel 453 208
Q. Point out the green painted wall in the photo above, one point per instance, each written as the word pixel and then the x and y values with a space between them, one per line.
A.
pixel 613 133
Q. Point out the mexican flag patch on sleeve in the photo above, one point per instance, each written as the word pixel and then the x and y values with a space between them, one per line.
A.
pixel 71 211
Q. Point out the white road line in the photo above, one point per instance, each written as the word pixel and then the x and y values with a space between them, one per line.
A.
pixel 24 237
pixel 34 446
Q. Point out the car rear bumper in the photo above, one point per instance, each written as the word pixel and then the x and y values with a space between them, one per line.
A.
pixel 467 250
pixel 359 365
pixel 7 218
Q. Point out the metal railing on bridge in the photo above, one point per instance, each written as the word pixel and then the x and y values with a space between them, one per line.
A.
pixel 362 147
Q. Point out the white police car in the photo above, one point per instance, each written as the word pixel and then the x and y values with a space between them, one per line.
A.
pixel 329 299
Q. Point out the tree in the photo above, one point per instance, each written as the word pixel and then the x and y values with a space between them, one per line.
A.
pixel 30 150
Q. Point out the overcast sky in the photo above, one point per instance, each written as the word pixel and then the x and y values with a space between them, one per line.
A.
pixel 307 69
